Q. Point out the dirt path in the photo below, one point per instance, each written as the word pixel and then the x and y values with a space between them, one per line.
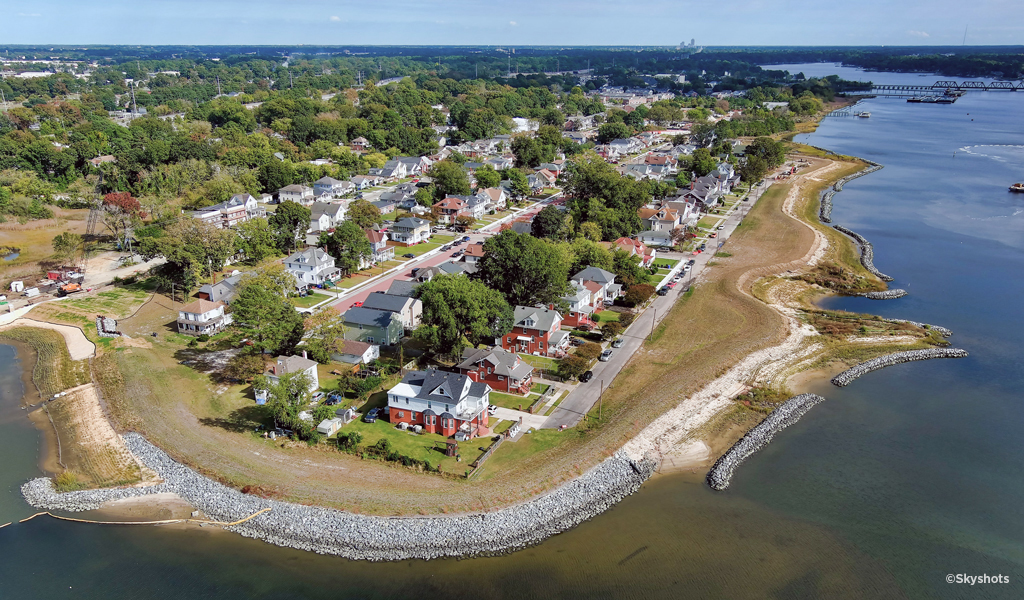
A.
pixel 79 346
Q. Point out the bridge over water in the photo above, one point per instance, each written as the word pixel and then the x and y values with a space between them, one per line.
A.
pixel 941 87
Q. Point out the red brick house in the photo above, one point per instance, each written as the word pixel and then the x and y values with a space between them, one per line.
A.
pixel 450 404
pixel 502 370
pixel 536 331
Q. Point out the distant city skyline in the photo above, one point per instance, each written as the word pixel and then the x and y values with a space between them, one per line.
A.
pixel 528 22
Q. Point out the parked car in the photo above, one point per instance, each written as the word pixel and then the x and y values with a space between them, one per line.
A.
pixel 456 254
pixel 333 399
pixel 687 268
pixel 575 341
pixel 371 417
pixel 691 262
pixel 606 355
pixel 720 227
pixel 586 376
pixel 465 238
pixel 409 255
pixel 662 292
pixel 712 235
pixel 318 396
pixel 491 409
pixel 618 343
pixel 356 305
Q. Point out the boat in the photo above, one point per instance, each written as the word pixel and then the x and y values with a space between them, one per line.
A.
pixel 864 114
pixel 1017 187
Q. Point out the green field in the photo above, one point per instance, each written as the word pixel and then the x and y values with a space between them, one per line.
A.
pixel 311 300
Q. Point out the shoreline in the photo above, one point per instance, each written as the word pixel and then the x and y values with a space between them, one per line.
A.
pixel 333 531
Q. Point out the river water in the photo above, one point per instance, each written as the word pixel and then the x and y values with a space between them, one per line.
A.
pixel 911 473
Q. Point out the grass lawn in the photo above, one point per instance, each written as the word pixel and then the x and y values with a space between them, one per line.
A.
pixel 423 446
pixel 311 300
pixel 539 388
pixel 606 315
pixel 418 249
pixel 513 401
pixel 539 362
pixel 528 445
pixel 709 222
pixel 665 263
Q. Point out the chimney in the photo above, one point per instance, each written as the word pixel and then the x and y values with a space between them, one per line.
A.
pixel 304 354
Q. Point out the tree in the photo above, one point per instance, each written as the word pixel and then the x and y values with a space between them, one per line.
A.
pixel 325 332
pixel 638 294
pixel 285 396
pixel 627 269
pixel 193 249
pixel 530 152
pixel 121 212
pixel 364 214
pixel 257 239
pixel 289 222
pixel 519 187
pixel 486 177
pixel 245 366
pixel 702 135
pixel 548 223
pixel 589 230
pixel 425 196
pixel 588 253
pixel 456 308
pixel 464 222
pixel 275 174
pixel 703 163
pixel 611 329
pixel 261 312
pixel 572 366
pixel 773 153
pixel 589 351
pixel 525 269
pixel 613 131
pixel 449 179
pixel 753 169
pixel 348 245
pixel 67 246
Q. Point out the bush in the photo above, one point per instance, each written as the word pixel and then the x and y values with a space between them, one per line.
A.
pixel 203 338
pixel 350 441
pixel 67 482
pixel 626 319
pixel 589 351
pixel 611 329
pixel 572 366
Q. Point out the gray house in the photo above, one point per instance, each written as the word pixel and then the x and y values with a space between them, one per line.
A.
pixel 373 326
pixel 409 310
pixel 222 291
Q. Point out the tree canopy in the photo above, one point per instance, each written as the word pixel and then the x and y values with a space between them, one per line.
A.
pixel 456 309
pixel 526 270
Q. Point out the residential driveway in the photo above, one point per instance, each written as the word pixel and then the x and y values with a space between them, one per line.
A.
pixel 586 395
pixel 529 421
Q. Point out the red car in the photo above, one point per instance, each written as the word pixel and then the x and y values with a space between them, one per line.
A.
pixel 356 305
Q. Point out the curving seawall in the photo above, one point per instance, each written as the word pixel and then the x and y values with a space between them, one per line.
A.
pixel 848 376
pixel 867 252
pixel 757 438
pixel 361 537
pixel 825 206
pixel 940 330
pixel 886 295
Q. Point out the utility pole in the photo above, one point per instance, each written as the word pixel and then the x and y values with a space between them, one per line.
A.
pixel 654 318
pixel 600 401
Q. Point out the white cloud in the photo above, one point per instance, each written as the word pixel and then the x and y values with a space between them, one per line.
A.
pixel 513 23
pixel 335 18
pixel 915 33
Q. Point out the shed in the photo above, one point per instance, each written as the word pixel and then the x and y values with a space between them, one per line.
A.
pixel 329 426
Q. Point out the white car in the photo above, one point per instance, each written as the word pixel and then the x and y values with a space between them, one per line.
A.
pixel 606 356
pixel 491 409
pixel 721 227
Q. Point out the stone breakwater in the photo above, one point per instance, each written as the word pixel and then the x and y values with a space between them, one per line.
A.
pixel 941 330
pixel 848 376
pixel 886 295
pixel 757 438
pixel 361 537
pixel 825 206
pixel 867 252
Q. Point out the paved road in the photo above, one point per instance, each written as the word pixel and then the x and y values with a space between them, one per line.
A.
pixel 585 396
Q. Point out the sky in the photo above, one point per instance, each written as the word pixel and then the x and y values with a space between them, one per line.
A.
pixel 516 22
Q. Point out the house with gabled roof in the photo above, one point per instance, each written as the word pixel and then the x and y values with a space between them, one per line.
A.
pixel 410 230
pixel 636 248
pixel 449 404
pixel 409 310
pixel 605 283
pixel 662 218
pixel 285 365
pixel 311 267
pixel 547 177
pixel 536 331
pixel 499 368
pixel 581 306
pixel 372 326
pixel 202 317
pixel 325 216
pixel 299 194
pixel 379 245
pixel 237 209
pixel 330 186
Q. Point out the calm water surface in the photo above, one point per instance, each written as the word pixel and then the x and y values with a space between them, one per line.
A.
pixel 909 474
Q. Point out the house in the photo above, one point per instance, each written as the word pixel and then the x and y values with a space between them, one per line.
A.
pixel 285 365
pixel 522 227
pixel 450 404
pixel 311 267
pixel 357 353
pixel 410 230
pixel 624 146
pixel 379 244
pixel 409 310
pixel 392 170
pixel 401 287
pixel 636 248
pixel 536 331
pixel 500 163
pixel 457 268
pixel 99 160
pixel 547 177
pixel 663 218
pixel 656 238
pixel 238 209
pixel 496 198
pixel 662 160
pixel 385 206
pixel 500 369
pixel 330 186
pixel 581 307
pixel 373 326
pixel 300 194
pixel 554 167
pixel 361 182
pixel 360 144
pixel 325 216
pixel 451 208
pixel 222 291
pixel 474 252
pixel 202 317
pixel 605 284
